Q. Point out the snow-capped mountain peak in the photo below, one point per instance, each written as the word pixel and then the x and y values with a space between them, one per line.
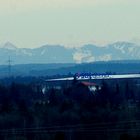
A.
pixel 9 46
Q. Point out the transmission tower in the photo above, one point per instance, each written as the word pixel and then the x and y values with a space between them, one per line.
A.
pixel 9 66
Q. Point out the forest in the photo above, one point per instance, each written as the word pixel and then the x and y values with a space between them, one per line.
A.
pixel 71 112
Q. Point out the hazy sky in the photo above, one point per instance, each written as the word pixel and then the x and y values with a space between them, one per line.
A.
pixel 32 23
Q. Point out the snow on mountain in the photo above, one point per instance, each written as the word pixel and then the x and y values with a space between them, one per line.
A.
pixel 61 54
pixel 26 52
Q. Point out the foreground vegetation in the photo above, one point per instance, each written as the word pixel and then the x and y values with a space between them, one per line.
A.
pixel 72 112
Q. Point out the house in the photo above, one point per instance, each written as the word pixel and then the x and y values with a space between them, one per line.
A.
pixel 91 86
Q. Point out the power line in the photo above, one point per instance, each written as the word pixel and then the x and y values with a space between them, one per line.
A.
pixel 100 128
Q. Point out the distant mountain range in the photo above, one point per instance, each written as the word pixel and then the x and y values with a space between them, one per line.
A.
pixel 61 54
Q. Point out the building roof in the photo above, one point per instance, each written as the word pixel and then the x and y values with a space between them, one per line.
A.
pixel 88 84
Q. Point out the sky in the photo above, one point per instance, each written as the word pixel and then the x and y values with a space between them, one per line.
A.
pixel 33 23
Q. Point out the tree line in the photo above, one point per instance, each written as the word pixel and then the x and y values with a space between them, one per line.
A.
pixel 24 106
